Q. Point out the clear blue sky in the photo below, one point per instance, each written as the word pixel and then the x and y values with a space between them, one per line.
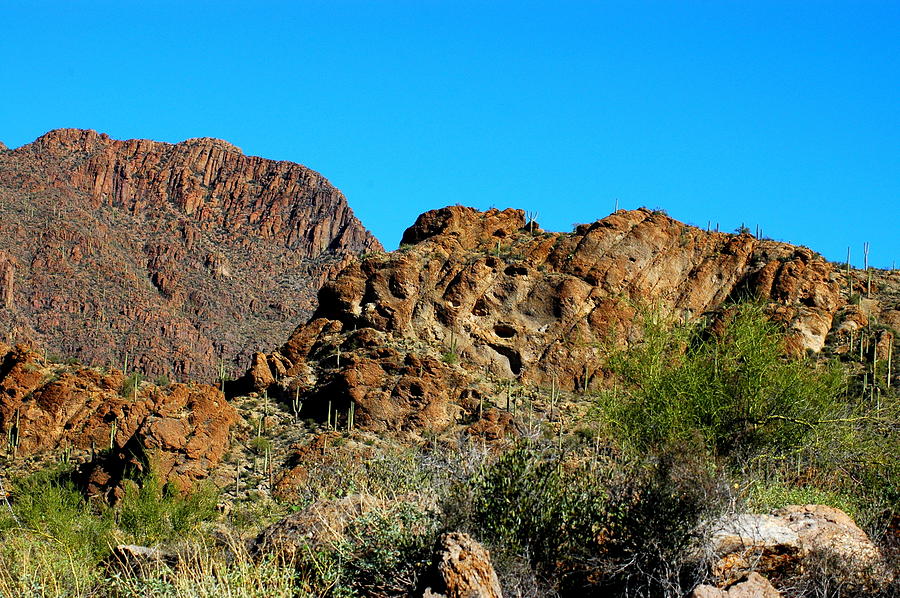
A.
pixel 782 114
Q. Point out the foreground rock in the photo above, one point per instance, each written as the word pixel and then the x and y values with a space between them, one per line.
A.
pixel 140 560
pixel 179 432
pixel 754 586
pixel 463 569
pixel 798 540
pixel 406 338
pixel 185 257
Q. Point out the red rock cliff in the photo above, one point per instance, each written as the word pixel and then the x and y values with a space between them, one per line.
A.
pixel 185 257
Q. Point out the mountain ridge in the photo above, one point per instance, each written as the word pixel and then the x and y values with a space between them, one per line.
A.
pixel 183 258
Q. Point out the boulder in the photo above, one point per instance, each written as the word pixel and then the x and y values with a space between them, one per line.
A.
pixel 795 540
pixel 140 560
pixel 754 586
pixel 462 569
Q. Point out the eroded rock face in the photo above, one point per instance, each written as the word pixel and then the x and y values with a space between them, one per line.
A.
pixel 407 335
pixel 185 257
pixel 179 432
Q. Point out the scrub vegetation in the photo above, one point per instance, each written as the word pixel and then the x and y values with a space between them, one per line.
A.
pixel 702 420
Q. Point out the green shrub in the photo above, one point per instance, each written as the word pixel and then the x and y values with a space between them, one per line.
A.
pixel 528 503
pixel 381 553
pixel 131 385
pixel 733 387
pixel 260 445
pixel 153 513
pixel 388 549
pixel 48 504
pixel 622 527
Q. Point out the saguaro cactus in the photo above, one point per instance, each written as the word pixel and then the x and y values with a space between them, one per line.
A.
pixel 9 273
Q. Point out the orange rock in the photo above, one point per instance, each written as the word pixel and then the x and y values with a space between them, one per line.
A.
pixel 474 293
pixel 179 432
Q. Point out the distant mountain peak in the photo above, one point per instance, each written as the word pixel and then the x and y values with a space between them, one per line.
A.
pixel 178 255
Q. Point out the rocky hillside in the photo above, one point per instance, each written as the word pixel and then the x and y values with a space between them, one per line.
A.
pixel 185 258
pixel 461 391
pixel 407 336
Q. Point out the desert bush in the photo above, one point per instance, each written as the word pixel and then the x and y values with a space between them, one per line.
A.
pixel 131 384
pixel 260 445
pixel 380 553
pixel 528 503
pixel 208 572
pixel 731 385
pixel 54 541
pixel 151 513
pixel 47 504
pixel 613 525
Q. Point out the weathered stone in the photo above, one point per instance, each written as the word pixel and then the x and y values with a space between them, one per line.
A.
pixel 795 539
pixel 407 337
pixel 140 560
pixel 179 432
pixel 463 569
pixel 754 586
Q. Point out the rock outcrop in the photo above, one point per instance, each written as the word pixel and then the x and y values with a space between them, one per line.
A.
pixel 185 257
pixel 405 337
pixel 179 432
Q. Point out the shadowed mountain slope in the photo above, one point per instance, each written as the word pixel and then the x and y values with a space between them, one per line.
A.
pixel 185 257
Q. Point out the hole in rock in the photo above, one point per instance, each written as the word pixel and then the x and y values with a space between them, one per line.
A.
pixel 512 356
pixel 480 308
pixel 504 331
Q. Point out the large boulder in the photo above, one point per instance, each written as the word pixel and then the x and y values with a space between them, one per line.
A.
pixel 796 540
pixel 462 569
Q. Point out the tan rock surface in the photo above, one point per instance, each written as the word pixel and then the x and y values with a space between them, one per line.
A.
pixel 796 539
pixel 754 586
pixel 407 336
pixel 463 569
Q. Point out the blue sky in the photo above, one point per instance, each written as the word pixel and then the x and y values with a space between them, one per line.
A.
pixel 780 114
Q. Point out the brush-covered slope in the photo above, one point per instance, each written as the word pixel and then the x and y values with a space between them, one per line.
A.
pixel 184 257
pixel 409 337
